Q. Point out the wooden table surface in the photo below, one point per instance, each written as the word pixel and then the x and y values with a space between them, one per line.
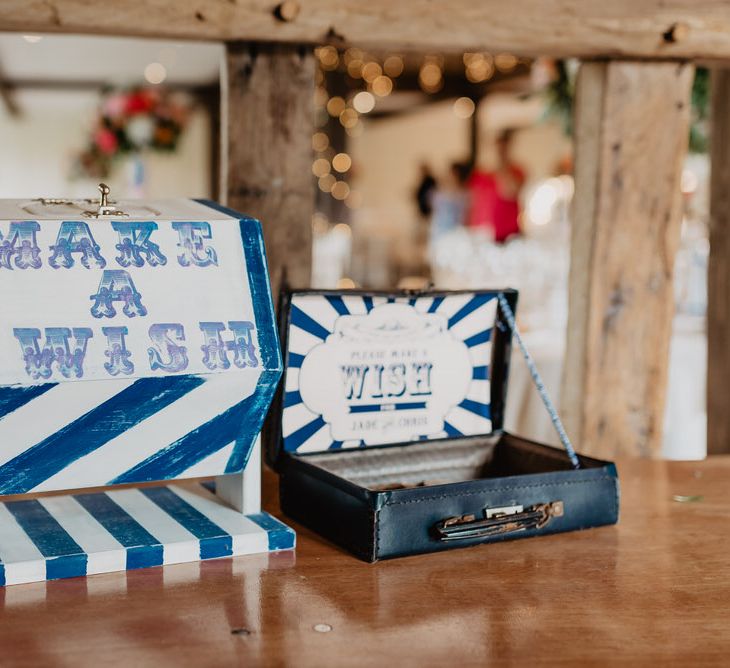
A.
pixel 654 589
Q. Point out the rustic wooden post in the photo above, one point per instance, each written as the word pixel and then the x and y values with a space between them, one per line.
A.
pixel 267 125
pixel 632 123
pixel 718 303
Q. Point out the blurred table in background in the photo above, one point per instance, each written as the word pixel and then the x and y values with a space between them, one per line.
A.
pixel 652 590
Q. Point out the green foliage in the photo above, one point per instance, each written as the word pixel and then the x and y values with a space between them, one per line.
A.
pixel 560 93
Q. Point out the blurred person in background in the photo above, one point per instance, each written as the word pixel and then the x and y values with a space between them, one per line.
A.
pixel 495 195
pixel 423 196
pixel 424 192
pixel 450 202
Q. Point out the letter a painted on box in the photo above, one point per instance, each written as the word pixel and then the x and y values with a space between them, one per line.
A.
pixel 117 286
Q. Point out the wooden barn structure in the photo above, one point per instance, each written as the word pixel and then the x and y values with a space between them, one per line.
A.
pixel 631 128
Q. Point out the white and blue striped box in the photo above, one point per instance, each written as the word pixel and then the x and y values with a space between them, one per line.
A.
pixel 133 348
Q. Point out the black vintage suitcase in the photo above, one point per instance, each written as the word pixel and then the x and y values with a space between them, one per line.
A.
pixel 387 427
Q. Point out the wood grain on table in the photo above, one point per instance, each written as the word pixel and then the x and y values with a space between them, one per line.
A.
pixel 654 589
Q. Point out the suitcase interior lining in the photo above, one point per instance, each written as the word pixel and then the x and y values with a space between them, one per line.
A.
pixel 443 461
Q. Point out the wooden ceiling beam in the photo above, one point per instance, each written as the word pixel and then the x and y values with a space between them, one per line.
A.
pixel 656 29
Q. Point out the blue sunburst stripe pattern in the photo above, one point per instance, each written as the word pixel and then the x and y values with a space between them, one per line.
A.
pixel 476 407
pixel 472 305
pixel 479 338
pixel 469 317
pixel 480 373
pixel 338 304
pixel 120 532
pixel 292 399
pixel 300 319
pixel 142 399
pixel 335 445
pixel 295 440
pixel 12 398
pixel 437 301
pixel 295 361
pixel 451 430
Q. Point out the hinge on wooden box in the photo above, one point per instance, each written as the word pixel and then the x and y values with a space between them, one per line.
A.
pixel 498 521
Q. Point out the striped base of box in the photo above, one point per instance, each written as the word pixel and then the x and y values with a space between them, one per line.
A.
pixel 82 534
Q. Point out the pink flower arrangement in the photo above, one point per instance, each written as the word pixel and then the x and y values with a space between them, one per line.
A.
pixel 131 121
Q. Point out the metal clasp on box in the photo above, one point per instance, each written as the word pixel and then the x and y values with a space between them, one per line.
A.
pixel 106 207
pixel 498 521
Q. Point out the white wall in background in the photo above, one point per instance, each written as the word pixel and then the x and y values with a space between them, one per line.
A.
pixel 386 159
pixel 539 142
pixel 37 150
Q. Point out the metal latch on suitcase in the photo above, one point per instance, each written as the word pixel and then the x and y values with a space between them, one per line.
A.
pixel 498 521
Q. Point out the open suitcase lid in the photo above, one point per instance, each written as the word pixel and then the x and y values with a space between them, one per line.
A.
pixel 368 369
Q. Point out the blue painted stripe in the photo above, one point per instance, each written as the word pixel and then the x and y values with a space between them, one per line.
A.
pixel 374 408
pixel 413 301
pixel 451 430
pixel 477 408
pixel 12 398
pixel 335 445
pixel 391 300
pixel 143 398
pixel 468 308
pixel 368 301
pixel 294 440
pixel 258 278
pixel 338 304
pixel 300 319
pixel 435 304
pixel 263 305
pixel 295 361
pixel 214 541
pixel 281 537
pixel 2 575
pixel 173 460
pixel 480 373
pixel 64 556
pixel 143 549
pixel 480 337
pixel 292 399
pixel 265 389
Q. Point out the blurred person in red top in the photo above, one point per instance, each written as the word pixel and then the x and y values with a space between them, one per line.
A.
pixel 495 195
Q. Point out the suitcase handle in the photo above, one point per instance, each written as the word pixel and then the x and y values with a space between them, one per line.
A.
pixel 498 522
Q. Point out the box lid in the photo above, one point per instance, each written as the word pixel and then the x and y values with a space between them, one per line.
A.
pixel 132 347
pixel 368 369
